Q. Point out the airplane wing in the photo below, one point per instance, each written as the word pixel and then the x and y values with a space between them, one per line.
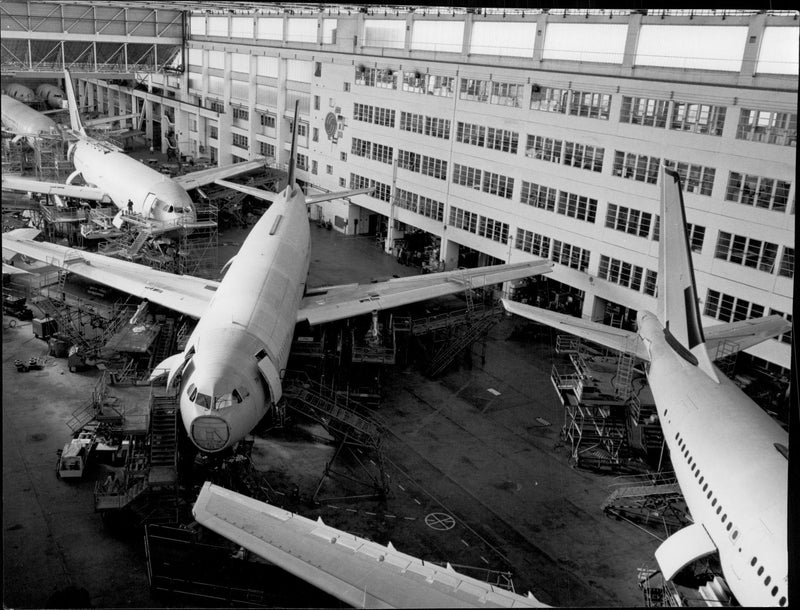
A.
pixel 338 302
pixel 12 270
pixel 248 190
pixel 28 185
pixel 183 293
pixel 738 336
pixel 361 573
pixel 608 336
pixel 207 176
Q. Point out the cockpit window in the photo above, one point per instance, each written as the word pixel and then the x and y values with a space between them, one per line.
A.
pixel 204 400
pixel 170 209
pixel 191 392
pixel 228 400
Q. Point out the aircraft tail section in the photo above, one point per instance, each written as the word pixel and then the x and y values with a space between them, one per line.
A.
pixel 72 100
pixel 678 307
pixel 293 155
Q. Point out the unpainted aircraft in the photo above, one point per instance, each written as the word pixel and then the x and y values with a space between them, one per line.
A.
pixel 730 457
pixel 229 374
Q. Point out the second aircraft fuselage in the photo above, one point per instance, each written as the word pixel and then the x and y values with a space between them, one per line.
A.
pixel 123 178
pixel 733 478
pixel 241 344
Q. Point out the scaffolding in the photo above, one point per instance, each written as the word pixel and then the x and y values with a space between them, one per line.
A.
pixel 653 501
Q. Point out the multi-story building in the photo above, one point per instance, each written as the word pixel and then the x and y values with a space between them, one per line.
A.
pixel 517 134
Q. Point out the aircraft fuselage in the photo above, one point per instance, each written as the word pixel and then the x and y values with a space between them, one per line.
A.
pixel 241 344
pixel 123 178
pixel 20 118
pixel 733 478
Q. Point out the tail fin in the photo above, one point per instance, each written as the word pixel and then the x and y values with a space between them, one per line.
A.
pixel 72 101
pixel 293 157
pixel 678 308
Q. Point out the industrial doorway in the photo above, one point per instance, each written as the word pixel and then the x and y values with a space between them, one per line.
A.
pixel 613 314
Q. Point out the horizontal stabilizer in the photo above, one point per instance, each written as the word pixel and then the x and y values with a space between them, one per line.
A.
pixel 340 195
pixel 248 190
pixel 726 339
pixel 607 336
pixel 682 548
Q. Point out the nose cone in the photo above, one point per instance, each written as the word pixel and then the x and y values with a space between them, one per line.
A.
pixel 210 433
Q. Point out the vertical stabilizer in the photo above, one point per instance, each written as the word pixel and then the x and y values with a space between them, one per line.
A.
pixel 293 156
pixel 678 308
pixel 72 101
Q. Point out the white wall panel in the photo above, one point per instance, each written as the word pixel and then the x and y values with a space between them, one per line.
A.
pixel 197 25
pixel 301 30
pixel 705 47
pixel 270 28
pixel 387 33
pixel 437 36
pixel 502 38
pixel 299 70
pixel 195 57
pixel 595 42
pixel 217 26
pixel 240 62
pixel 216 60
pixel 215 85
pixel 329 31
pixel 242 27
pixel 779 51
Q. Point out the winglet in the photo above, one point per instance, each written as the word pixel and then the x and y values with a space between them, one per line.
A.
pixel 678 307
pixel 293 157
pixel 72 101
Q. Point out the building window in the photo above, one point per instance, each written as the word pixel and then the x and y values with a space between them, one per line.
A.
pixel 502 139
pixel 698 118
pixel 695 178
pixel 548 99
pixel 342 182
pixel 787 263
pixel 497 184
pixel 576 206
pixel 266 149
pixel 538 196
pixel 628 220
pixel 329 169
pixel 728 308
pixel 436 168
pixel 343 156
pixel 302 162
pixel 650 282
pixel 644 111
pixel 408 160
pixel 213 132
pixel 770 127
pixel 193 124
pixel 761 192
pixel 376 77
pixel 313 167
pixel 533 243
pixel 461 219
pixel 384 116
pixel 506 94
pixel 620 272
pixel 316 100
pixel 315 134
pixel 746 251
pixel 467 176
pixel 431 208
pixel 583 156
pixel 360 148
pixel 470 134
pixel 382 153
pixel 438 128
pixel 696 234
pixel 546 149
pixel 241 113
pixel 493 229
pixel 362 112
pixel 267 120
pixel 215 105
pixel 589 104
pixel 411 122
pixel 346 86
pixel 569 255
pixel 406 200
pixel 641 168
pixel 239 140
pixel 475 90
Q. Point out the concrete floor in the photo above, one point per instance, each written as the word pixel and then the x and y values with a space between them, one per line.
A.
pixel 453 447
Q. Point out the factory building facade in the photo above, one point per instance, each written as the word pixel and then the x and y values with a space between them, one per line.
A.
pixel 507 136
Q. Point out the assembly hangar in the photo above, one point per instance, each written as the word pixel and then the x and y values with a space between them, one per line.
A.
pixel 476 441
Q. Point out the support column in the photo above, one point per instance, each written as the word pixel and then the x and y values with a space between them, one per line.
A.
pixel 448 253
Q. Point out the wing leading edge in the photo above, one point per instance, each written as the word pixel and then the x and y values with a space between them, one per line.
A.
pixel 339 302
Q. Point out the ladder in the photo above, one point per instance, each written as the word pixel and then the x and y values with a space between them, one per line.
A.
pixel 163 441
pixel 453 348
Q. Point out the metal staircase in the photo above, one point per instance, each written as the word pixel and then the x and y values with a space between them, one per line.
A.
pixel 475 328
pixel 163 441
pixel 650 500
pixel 164 342
pixel 137 243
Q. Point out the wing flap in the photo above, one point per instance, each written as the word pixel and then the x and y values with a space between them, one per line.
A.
pixel 727 339
pixel 207 176
pixel 608 336
pixel 182 293
pixel 339 302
